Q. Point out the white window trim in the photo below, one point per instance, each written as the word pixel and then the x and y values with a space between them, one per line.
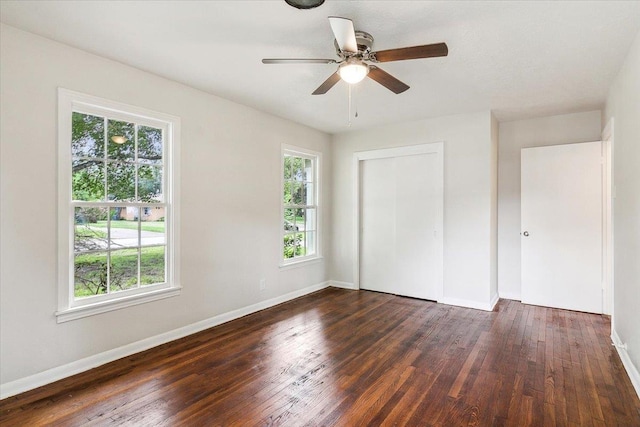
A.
pixel 68 307
pixel 317 157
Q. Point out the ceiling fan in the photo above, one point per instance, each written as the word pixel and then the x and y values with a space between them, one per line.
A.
pixel 354 52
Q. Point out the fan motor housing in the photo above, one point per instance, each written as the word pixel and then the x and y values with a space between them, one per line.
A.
pixel 364 41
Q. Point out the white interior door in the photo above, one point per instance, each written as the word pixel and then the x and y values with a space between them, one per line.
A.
pixel 561 219
pixel 399 225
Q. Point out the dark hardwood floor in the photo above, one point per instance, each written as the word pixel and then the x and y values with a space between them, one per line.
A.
pixel 349 358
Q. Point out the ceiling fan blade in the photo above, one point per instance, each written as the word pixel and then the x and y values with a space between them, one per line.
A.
pixel 415 52
pixel 345 33
pixel 328 84
pixel 386 80
pixel 297 61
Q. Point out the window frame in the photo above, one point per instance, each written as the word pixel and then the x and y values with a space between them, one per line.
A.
pixel 70 308
pixel 316 158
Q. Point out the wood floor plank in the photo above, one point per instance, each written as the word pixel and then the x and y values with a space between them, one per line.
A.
pixel 343 358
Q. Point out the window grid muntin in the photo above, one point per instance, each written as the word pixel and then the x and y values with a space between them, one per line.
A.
pixel 109 250
pixel 310 181
pixel 105 161
pixel 162 126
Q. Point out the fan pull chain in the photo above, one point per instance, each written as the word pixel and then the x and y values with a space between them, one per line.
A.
pixel 349 105
pixel 351 102
pixel 356 102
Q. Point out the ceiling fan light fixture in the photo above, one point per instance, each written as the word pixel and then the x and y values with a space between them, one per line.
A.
pixel 304 4
pixel 353 72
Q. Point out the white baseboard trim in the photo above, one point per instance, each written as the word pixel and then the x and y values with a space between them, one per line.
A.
pixel 632 371
pixel 342 285
pixel 54 374
pixel 510 295
pixel 469 303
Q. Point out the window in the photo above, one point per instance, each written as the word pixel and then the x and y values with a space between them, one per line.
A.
pixel 117 205
pixel 299 205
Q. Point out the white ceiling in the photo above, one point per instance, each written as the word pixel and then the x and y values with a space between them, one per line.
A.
pixel 519 59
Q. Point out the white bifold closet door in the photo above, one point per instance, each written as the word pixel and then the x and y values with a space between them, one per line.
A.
pixel 398 215
pixel 561 219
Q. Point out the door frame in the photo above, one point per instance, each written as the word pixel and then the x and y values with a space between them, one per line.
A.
pixel 608 194
pixel 436 148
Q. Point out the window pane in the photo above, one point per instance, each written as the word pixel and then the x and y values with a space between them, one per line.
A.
pixel 120 141
pixel 289 220
pixel 291 242
pixel 310 220
pixel 87 136
pixel 150 184
pixel 288 189
pixel 121 181
pixel 308 194
pixel 124 227
pixel 287 167
pixel 300 242
pixel 308 170
pixel 88 180
pixel 90 274
pixel 152 262
pixel 297 171
pixel 310 242
pixel 149 145
pixel 123 273
pixel 300 222
pixel 153 230
pixel 90 232
pixel 298 193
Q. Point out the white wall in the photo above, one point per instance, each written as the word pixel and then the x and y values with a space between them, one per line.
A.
pixel 623 104
pixel 230 204
pixel 513 136
pixel 467 198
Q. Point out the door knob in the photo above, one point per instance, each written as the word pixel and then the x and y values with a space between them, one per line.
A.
pixel 526 234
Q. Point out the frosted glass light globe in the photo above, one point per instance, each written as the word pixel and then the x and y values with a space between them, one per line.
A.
pixel 353 72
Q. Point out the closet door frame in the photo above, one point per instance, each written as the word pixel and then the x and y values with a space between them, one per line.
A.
pixel 436 148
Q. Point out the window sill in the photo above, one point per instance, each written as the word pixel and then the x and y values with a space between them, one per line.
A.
pixel 79 312
pixel 301 263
